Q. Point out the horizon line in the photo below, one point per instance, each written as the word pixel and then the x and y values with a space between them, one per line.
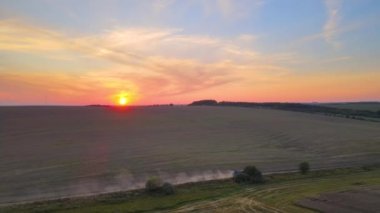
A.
pixel 178 104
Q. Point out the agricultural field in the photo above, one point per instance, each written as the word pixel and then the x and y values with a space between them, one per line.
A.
pixel 370 106
pixel 55 152
pixel 358 200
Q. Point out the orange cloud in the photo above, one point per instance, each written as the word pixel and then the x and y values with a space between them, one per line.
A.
pixel 19 36
pixel 160 65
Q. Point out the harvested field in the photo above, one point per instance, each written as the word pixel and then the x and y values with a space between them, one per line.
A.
pixel 370 106
pixel 50 152
pixel 360 200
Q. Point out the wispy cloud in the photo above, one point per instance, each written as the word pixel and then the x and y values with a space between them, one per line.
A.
pixel 175 49
pixel 20 36
pixel 331 27
pixel 337 59
pixel 160 5
pixel 238 9
pixel 149 61
pixel 230 9
pixel 334 40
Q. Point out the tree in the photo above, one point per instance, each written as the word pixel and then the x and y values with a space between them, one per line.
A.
pixel 255 175
pixel 240 177
pixel 249 174
pixel 257 178
pixel 168 189
pixel 154 184
pixel 251 170
pixel 304 167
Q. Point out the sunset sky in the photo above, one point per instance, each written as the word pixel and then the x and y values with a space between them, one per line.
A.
pixel 71 52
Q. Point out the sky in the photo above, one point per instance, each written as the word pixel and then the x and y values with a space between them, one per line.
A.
pixel 70 52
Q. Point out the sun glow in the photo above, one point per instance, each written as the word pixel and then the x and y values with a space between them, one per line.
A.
pixel 123 101
pixel 123 98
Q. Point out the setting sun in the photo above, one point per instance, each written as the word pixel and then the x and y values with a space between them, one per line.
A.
pixel 123 98
pixel 143 99
pixel 123 101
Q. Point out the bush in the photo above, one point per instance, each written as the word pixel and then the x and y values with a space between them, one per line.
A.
pixel 240 177
pixel 154 184
pixel 304 167
pixel 255 175
pixel 257 178
pixel 168 189
pixel 250 174
pixel 251 170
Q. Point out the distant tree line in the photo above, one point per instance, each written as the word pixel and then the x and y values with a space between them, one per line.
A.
pixel 298 107
pixel 204 102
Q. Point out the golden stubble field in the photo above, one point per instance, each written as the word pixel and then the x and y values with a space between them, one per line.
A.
pixel 50 152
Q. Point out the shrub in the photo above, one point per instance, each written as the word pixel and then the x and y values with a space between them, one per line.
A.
pixel 251 170
pixel 168 189
pixel 240 177
pixel 249 174
pixel 304 167
pixel 257 178
pixel 154 184
pixel 255 175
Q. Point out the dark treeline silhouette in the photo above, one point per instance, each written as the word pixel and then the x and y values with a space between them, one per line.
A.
pixel 97 105
pixel 311 108
pixel 204 102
